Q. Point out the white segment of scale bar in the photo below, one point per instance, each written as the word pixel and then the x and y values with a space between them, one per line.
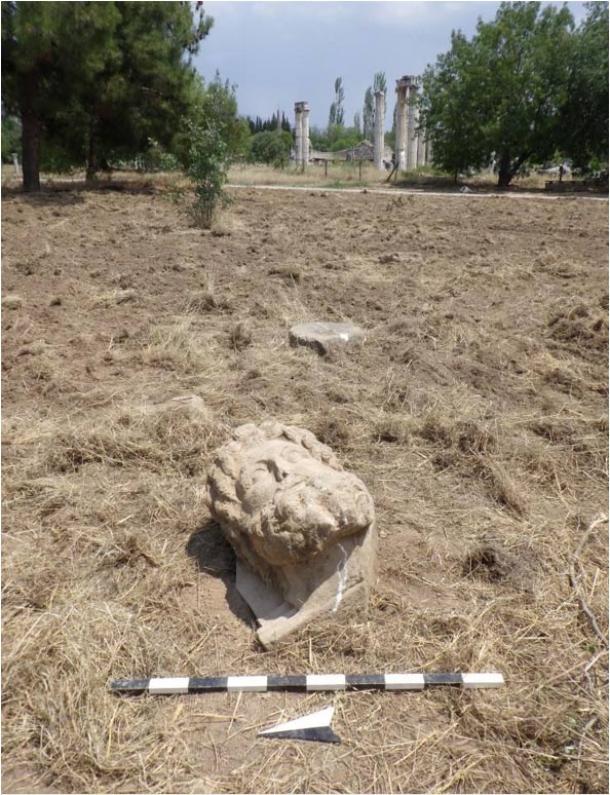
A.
pixel 482 680
pixel 247 684
pixel 404 681
pixel 325 681
pixel 176 684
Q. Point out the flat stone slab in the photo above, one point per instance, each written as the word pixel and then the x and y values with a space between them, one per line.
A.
pixel 322 335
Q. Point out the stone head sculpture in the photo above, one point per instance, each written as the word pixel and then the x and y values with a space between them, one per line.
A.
pixel 300 524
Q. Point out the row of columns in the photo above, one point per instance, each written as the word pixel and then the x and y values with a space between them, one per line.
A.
pixel 411 147
pixel 301 113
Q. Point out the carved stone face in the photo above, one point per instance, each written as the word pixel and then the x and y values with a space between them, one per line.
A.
pixel 291 497
pixel 303 503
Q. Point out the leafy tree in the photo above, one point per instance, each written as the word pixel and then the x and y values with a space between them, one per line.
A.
pixel 48 49
pixel 208 163
pixel 272 147
pixel 337 113
pixel 151 86
pixel 211 138
pixel 380 83
pixel 334 138
pixel 218 105
pixel 502 91
pixel 368 114
pixel 343 138
pixel 584 117
pixel 262 125
pixel 357 124
pixel 11 138
pixel 97 79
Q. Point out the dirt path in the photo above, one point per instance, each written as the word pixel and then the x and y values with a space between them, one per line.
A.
pixel 470 194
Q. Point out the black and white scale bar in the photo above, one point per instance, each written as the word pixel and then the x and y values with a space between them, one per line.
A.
pixel 303 684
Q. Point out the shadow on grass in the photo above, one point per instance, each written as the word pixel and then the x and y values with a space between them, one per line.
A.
pixel 439 183
pixel 214 555
pixel 68 191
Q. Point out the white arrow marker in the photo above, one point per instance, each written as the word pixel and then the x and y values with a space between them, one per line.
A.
pixel 315 726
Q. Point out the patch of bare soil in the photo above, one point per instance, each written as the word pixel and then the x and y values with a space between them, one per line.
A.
pixel 475 413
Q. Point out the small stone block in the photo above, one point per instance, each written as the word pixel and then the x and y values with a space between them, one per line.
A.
pixel 321 336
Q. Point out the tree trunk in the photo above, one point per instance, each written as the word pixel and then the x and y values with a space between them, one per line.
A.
pixel 92 165
pixel 30 151
pixel 505 173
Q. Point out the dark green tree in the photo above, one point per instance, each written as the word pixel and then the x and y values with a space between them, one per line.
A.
pixel 216 106
pixel 380 83
pixel 212 136
pixel 272 147
pixel 263 125
pixel 584 116
pixel 11 138
pixel 368 111
pixel 368 114
pixel 98 79
pixel 501 92
pixel 337 113
pixel 145 93
pixel 49 50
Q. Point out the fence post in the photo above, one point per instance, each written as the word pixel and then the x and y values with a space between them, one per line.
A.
pixel 360 170
pixel 326 168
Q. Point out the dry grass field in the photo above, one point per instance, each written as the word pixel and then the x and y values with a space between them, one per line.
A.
pixel 476 414
pixel 348 174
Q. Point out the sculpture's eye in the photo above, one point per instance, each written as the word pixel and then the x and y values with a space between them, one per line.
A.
pixel 294 454
pixel 261 470
pixel 277 470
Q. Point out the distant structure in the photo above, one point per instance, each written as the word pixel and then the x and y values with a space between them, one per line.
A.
pixel 412 149
pixel 364 150
pixel 301 125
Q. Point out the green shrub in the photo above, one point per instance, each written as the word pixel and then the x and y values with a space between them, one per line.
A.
pixel 11 138
pixel 271 147
pixel 207 166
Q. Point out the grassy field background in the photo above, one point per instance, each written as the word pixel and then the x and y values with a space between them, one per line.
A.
pixel 476 414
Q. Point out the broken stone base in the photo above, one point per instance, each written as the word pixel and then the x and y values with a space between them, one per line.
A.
pixel 341 576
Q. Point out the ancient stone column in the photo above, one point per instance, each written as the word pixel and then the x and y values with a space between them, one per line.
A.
pixel 401 122
pixel 298 133
pixel 304 135
pixel 413 121
pixel 378 140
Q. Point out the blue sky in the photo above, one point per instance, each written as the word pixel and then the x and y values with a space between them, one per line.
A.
pixel 281 52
